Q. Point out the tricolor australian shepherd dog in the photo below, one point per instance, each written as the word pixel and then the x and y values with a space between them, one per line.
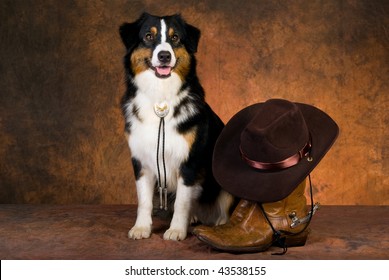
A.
pixel 171 129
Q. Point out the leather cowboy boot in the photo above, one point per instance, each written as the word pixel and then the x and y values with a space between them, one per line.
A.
pixel 254 227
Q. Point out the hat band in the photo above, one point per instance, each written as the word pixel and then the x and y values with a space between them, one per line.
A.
pixel 286 163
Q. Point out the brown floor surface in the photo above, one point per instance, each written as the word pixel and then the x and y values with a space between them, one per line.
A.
pixel 100 232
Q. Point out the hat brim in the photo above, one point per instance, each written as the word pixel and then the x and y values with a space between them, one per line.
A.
pixel 243 181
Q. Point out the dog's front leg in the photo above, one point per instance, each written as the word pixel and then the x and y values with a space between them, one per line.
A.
pixel 145 190
pixel 182 208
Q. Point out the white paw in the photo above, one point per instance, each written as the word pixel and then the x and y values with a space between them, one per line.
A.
pixel 139 232
pixel 175 234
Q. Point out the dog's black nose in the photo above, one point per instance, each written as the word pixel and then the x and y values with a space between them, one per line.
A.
pixel 164 56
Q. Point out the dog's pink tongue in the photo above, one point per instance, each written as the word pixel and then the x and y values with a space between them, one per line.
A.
pixel 163 71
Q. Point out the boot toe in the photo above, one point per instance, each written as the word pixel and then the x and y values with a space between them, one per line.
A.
pixel 209 235
pixel 200 229
pixel 211 238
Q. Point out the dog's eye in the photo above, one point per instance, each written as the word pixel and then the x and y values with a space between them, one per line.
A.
pixel 149 37
pixel 175 38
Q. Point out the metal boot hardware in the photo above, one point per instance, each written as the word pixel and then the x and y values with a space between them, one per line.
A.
pixel 298 221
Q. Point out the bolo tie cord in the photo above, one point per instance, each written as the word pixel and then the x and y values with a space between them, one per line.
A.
pixel 162 189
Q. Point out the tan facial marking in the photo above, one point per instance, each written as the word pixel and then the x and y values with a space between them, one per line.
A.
pixel 183 62
pixel 154 30
pixel 138 60
pixel 171 32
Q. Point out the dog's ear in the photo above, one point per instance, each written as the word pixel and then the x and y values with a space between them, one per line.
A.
pixel 129 32
pixel 192 38
pixel 192 34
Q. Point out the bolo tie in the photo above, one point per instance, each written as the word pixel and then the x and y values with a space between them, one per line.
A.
pixel 161 110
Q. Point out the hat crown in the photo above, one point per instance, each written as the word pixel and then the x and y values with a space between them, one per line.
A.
pixel 276 133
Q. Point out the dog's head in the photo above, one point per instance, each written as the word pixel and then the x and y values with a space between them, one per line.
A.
pixel 160 44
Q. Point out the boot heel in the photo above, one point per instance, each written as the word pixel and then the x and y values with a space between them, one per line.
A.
pixel 297 240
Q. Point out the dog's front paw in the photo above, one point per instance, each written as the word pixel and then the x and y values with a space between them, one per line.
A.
pixel 139 232
pixel 175 234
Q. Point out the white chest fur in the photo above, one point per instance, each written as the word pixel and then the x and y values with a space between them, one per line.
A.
pixel 143 139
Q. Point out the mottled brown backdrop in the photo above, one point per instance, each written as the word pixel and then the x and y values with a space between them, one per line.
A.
pixel 61 80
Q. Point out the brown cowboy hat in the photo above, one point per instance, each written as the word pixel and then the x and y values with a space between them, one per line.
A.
pixel 267 149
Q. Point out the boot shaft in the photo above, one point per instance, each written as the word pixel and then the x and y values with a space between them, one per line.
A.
pixel 280 213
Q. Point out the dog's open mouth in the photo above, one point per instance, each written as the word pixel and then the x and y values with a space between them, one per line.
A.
pixel 163 71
